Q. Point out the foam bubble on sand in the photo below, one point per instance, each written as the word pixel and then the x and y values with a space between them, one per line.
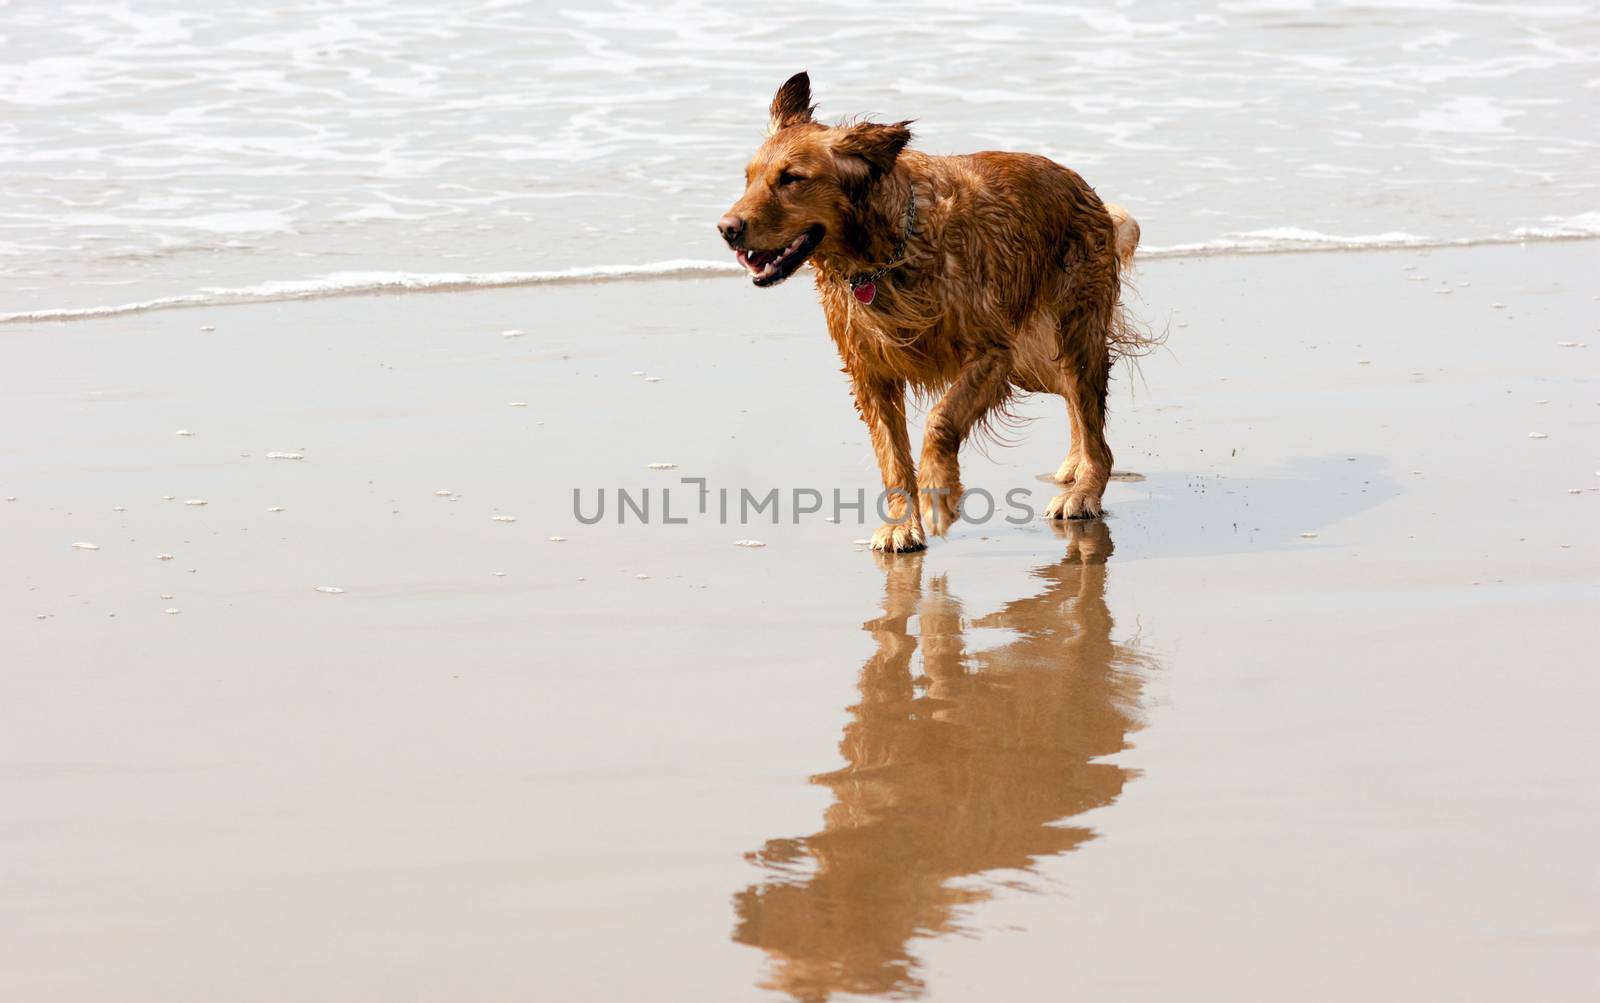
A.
pixel 1537 435
pixel 283 454
pixel 197 502
pixel 662 466
pixel 183 432
pixel 748 543
pixel 165 595
pixel 518 404
pixel 163 557
pixel 275 508
pixel 558 539
pixel 172 611
pixel 652 379
pixel 513 333
pixel 641 576
pixel 505 518
pixel 85 546
pixel 332 590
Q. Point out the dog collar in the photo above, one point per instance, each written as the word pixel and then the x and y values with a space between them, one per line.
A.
pixel 865 285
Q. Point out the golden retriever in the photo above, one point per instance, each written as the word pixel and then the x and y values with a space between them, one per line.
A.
pixel 974 277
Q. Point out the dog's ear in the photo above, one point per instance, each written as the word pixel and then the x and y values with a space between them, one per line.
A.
pixel 877 145
pixel 792 104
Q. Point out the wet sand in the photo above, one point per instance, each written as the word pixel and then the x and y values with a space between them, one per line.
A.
pixel 1312 713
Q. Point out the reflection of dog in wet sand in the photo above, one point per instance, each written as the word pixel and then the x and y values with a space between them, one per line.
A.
pixel 965 769
pixel 974 277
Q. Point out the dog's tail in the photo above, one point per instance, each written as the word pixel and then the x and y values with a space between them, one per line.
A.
pixel 1129 339
pixel 1127 234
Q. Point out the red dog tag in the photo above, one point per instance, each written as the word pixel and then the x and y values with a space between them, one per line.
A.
pixel 866 292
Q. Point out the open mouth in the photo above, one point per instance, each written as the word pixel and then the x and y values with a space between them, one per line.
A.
pixel 768 268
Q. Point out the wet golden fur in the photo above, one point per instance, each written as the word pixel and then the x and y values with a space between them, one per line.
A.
pixel 1010 282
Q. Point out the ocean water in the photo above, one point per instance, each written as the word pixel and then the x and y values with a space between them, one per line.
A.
pixel 163 153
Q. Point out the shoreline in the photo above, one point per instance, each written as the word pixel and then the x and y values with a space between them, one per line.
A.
pixel 340 285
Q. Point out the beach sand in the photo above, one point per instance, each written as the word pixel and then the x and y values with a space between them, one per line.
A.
pixel 1311 714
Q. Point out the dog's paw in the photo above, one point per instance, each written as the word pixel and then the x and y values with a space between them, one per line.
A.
pixel 940 506
pixel 898 538
pixel 1074 505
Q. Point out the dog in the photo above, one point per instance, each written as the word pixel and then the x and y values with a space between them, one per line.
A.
pixel 972 277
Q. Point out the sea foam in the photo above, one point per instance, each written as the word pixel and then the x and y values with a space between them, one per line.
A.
pixel 1272 240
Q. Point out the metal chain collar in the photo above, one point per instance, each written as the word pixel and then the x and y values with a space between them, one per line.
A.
pixel 857 281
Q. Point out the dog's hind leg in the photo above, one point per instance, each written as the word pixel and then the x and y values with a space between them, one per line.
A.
pixel 1085 386
pixel 982 385
pixel 1040 370
pixel 1068 471
pixel 882 404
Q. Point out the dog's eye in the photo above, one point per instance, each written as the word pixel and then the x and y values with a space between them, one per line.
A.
pixel 788 178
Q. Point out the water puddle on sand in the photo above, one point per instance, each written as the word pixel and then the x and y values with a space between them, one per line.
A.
pixel 1126 476
pixel 961 760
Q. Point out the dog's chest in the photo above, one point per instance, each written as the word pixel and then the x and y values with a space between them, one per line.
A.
pixel 879 339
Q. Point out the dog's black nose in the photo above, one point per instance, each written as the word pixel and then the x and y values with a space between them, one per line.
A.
pixel 731 227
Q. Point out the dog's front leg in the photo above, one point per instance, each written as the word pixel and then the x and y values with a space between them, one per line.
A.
pixel 982 385
pixel 882 403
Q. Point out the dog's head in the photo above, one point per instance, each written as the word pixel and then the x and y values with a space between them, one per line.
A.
pixel 805 186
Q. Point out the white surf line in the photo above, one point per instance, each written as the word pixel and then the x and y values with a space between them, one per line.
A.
pixel 380 283
pixel 1330 244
